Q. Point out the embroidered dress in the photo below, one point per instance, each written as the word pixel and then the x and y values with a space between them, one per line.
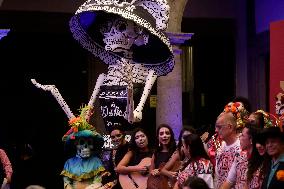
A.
pixel 225 157
pixel 256 180
pixel 202 168
pixel 6 164
pixel 238 171
pixel 83 169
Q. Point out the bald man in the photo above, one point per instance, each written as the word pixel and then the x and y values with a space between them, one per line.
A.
pixel 226 127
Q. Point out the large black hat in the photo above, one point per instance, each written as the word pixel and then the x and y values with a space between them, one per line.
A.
pixel 273 132
pixel 151 15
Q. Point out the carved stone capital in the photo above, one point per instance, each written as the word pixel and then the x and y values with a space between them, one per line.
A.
pixel 178 39
pixel 3 33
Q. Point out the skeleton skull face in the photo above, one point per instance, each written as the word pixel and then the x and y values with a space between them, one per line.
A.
pixel 279 105
pixel 121 34
pixel 84 147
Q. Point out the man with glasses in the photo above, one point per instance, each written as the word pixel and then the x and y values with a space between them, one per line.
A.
pixel 226 128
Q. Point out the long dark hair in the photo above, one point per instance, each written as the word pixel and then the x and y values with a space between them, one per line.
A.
pixel 196 147
pixel 172 144
pixel 133 146
pixel 256 159
pixel 185 128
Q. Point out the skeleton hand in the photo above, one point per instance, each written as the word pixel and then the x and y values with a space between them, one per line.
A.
pixel 43 87
pixel 137 114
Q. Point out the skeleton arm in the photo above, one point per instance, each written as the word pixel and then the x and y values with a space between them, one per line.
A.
pixel 95 93
pixel 54 91
pixel 150 80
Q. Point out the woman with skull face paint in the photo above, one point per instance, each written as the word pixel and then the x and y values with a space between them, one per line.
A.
pixel 85 170
pixel 119 150
pixel 138 151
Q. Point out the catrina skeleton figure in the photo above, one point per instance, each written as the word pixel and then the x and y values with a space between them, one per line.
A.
pixel 127 36
pixel 85 169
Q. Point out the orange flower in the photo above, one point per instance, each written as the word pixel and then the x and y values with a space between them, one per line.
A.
pixel 233 109
pixel 280 175
pixel 75 129
pixel 74 120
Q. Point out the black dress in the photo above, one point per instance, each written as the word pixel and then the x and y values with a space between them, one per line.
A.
pixel 137 157
pixel 114 160
pixel 161 157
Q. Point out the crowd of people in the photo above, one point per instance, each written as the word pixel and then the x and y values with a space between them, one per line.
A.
pixel 246 151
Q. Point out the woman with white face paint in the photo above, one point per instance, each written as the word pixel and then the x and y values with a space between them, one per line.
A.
pixel 136 160
pixel 117 153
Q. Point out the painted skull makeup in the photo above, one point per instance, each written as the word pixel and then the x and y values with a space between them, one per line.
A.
pixel 117 138
pixel 84 147
pixel 121 34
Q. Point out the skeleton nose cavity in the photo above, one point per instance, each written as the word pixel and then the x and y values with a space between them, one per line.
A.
pixel 131 34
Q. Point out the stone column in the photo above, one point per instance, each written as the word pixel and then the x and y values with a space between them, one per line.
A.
pixel 169 88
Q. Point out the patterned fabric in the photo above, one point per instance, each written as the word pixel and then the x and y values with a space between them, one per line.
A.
pixel 80 169
pixel 6 163
pixel 241 170
pixel 256 180
pixel 202 168
pixel 224 159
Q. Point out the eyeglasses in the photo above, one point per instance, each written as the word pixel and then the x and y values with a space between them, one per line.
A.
pixel 116 136
pixel 221 126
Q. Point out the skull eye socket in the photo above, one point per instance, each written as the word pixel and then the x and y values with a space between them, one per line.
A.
pixel 138 29
pixel 81 142
pixel 121 26
pixel 90 142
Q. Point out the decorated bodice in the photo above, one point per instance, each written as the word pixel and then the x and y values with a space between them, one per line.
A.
pixel 79 169
pixel 119 74
pixel 202 168
pixel 257 179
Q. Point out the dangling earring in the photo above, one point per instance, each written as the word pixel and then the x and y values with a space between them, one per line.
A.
pixel 159 144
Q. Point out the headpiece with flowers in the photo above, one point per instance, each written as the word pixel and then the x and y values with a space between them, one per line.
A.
pixel 239 112
pixel 80 127
pixel 270 120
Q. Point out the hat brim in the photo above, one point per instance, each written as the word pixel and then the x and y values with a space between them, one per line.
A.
pixel 98 139
pixel 156 55
pixel 273 132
